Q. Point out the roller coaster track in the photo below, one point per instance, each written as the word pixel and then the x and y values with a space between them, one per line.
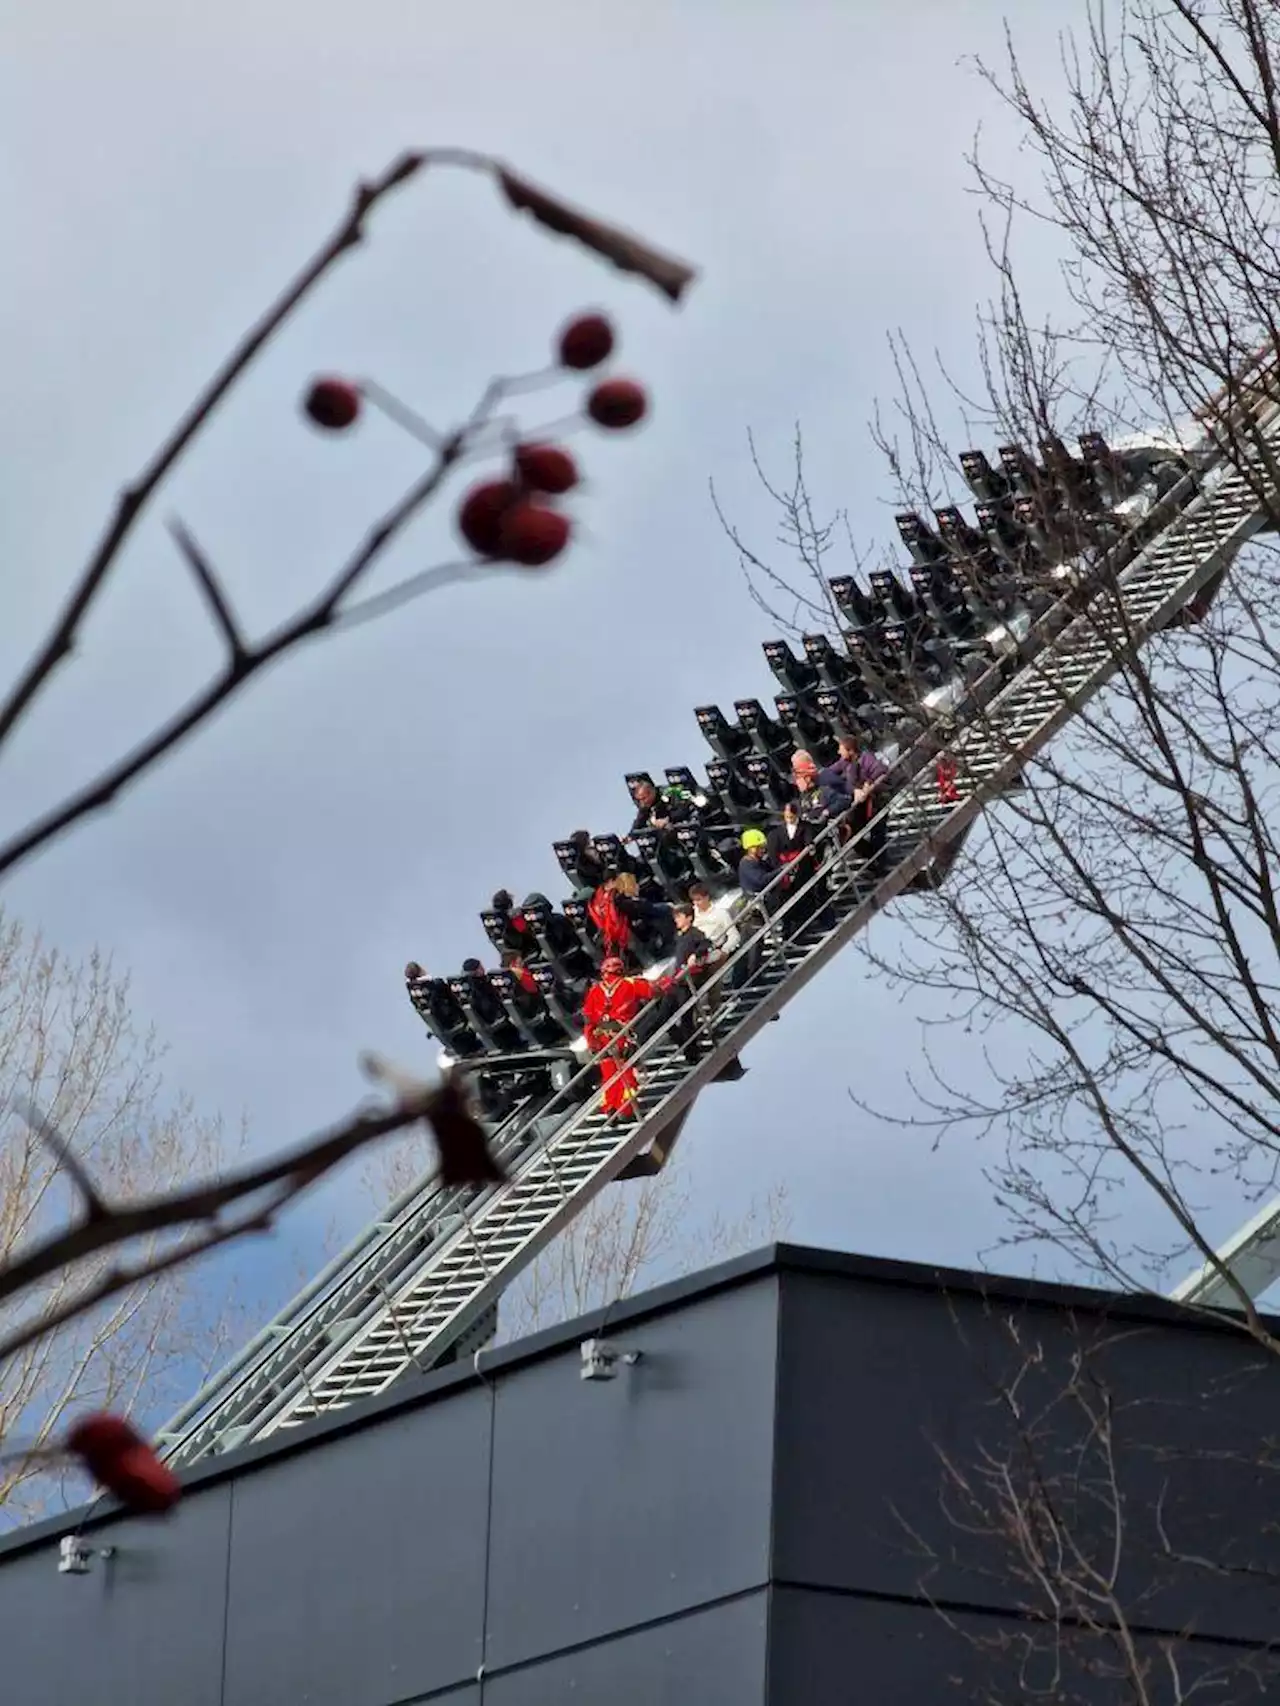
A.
pixel 421 1284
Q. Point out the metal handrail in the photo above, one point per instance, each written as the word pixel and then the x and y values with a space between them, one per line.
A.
pixel 911 764
pixel 366 1243
pixel 1059 615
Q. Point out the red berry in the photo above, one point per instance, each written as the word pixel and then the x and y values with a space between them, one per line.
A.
pixel 586 341
pixel 482 512
pixel 119 1459
pixel 333 404
pixel 546 468
pixel 617 403
pixel 101 1436
pixel 532 534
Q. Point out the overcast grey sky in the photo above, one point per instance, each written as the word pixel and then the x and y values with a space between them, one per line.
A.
pixel 168 166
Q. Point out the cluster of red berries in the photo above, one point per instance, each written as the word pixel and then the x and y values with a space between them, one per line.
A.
pixel 121 1461
pixel 514 520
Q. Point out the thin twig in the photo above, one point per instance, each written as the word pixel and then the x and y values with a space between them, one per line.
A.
pixel 405 417
pixel 211 587
pixel 95 1207
pixel 298 1169
pixel 414 586
pixel 123 1276
pixel 135 497
pixel 245 659
pixel 313 620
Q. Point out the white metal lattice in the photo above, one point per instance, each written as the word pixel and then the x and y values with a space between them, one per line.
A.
pixel 414 1284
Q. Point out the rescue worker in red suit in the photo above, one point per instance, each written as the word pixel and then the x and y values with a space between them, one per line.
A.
pixel 611 1004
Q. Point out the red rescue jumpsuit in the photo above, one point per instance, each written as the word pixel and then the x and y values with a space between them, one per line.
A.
pixel 605 914
pixel 605 1011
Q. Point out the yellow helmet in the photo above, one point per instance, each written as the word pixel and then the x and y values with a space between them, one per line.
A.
pixel 753 838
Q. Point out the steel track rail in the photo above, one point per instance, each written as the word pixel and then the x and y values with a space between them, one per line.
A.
pixel 433 1275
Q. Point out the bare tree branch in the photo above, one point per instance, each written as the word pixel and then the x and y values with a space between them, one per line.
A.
pixel 282 1178
pixel 67 1159
pixel 215 596
pixel 328 611
pixel 1062 1499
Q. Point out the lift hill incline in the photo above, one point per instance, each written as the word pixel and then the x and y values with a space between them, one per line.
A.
pixel 421 1285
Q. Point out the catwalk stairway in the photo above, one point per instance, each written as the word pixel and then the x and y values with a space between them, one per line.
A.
pixel 421 1284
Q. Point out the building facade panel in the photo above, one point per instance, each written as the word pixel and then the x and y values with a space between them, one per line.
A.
pixel 357 1571
pixel 714 1657
pixel 874 1383
pixel 651 1491
pixel 142 1628
pixel 795 1479
pixel 920 1429
pixel 830 1649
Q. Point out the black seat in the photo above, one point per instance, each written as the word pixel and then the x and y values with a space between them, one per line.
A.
pixel 987 484
pixel 832 668
pixel 563 999
pixel 712 857
pixel 854 603
pixel 575 912
pixel 771 781
pixel 559 939
pixel 919 538
pixel 580 863
pixel 742 800
pixel 526 1010
pixel 666 859
pixel 793 674
pixel 762 732
pixel 485 1013
pixel 443 1014
pixel 722 737
pixel 614 856
pixel 896 599
pixel 806 727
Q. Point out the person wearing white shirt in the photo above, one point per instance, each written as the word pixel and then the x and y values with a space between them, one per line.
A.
pixel 712 918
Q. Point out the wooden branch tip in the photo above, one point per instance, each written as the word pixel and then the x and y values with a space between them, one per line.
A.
pixel 209 584
pixel 628 253
pixel 400 171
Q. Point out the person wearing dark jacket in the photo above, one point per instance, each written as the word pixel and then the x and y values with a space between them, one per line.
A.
pixel 650 921
pixel 756 870
pixel 661 808
pixel 819 802
pixel 692 958
pixel 517 931
pixel 691 947
pixel 859 775
pixel 590 866
pixel 795 835
pixel 791 847
pixel 695 955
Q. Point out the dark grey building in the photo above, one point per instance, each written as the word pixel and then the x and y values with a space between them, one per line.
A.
pixel 805 1478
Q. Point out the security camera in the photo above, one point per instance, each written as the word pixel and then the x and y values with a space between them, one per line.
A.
pixel 74 1557
pixel 599 1359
